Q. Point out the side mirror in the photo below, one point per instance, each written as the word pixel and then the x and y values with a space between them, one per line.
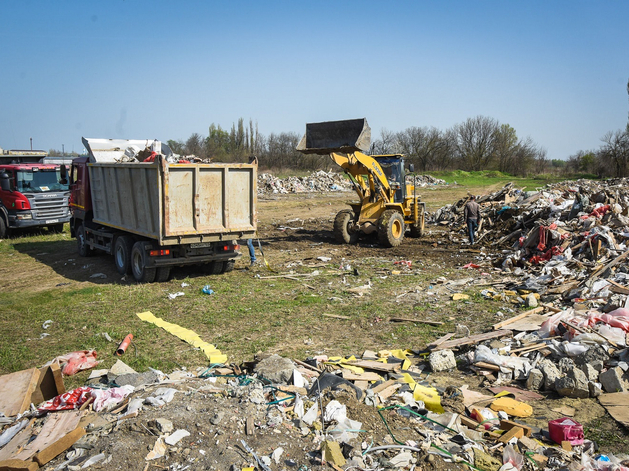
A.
pixel 411 168
pixel 64 175
pixel 4 181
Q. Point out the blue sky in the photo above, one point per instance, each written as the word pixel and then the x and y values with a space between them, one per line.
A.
pixel 555 71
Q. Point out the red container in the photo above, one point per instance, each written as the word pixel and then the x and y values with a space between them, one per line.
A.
pixel 566 429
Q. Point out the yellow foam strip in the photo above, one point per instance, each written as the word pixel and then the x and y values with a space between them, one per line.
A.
pixel 430 396
pixel 187 335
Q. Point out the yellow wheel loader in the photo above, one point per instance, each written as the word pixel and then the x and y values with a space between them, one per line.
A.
pixel 387 204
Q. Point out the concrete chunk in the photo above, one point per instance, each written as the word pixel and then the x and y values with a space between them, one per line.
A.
pixel 442 360
pixel 535 380
pixel 612 380
pixel 276 369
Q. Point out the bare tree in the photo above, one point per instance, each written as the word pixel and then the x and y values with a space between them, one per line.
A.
pixel 387 144
pixel 194 145
pixel 614 154
pixel 476 142
pixel 505 145
pixel 420 145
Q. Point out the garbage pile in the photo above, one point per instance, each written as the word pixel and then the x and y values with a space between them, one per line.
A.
pixel 375 412
pixel 320 181
pixel 428 180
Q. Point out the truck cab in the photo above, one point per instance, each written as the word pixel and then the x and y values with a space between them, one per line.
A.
pixel 33 195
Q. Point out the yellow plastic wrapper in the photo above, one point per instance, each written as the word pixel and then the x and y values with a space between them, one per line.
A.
pixel 430 396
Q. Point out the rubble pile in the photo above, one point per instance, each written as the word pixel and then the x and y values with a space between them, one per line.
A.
pixel 428 180
pixel 378 411
pixel 319 181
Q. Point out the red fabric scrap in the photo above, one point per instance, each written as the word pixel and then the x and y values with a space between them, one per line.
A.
pixel 73 362
pixel 67 401
pixel 469 266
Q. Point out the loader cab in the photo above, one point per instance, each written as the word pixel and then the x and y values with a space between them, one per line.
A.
pixel 393 167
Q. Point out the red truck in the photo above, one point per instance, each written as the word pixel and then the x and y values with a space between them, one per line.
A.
pixel 32 194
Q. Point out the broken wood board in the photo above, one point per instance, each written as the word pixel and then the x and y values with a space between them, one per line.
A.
pixel 617 404
pixel 419 321
pixel 18 465
pixel 383 386
pixel 473 339
pixel 440 340
pixel 522 315
pixel 49 385
pixel 375 365
pixel 389 391
pixel 336 316
pixel 529 323
pixel 16 390
pixel 51 438
pixel 366 376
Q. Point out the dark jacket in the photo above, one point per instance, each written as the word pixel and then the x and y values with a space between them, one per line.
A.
pixel 472 210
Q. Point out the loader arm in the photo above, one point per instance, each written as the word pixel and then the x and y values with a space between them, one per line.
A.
pixel 357 164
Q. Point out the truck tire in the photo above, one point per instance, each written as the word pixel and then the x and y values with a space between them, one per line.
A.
pixel 84 249
pixel 391 228
pixel 122 254
pixel 3 228
pixel 228 266
pixel 141 272
pixel 162 274
pixel 417 229
pixel 214 268
pixel 341 227
pixel 56 228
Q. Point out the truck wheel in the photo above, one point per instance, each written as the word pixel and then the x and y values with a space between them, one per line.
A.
pixel 84 249
pixel 341 227
pixel 214 268
pixel 3 228
pixel 56 228
pixel 122 254
pixel 391 228
pixel 141 272
pixel 228 266
pixel 162 274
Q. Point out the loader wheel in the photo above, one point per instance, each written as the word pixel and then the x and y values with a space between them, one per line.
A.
pixel 162 274
pixel 84 249
pixel 141 272
pixel 122 254
pixel 417 230
pixel 341 227
pixel 391 228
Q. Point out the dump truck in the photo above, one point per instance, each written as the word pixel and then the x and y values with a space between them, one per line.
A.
pixel 33 194
pixel 387 203
pixel 161 212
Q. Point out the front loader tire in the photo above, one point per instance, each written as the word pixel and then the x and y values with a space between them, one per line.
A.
pixel 342 223
pixel 417 229
pixel 391 228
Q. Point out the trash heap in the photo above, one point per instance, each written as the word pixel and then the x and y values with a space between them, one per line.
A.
pixel 378 411
pixel 428 180
pixel 319 181
pixel 322 181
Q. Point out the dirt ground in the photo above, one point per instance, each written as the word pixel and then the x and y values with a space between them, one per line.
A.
pixel 293 229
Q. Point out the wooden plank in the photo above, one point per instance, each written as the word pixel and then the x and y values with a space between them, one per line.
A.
pixel 552 308
pixel 364 385
pixel 618 288
pixel 388 392
pixel 336 316
pixel 472 339
pixel 17 442
pixel 367 376
pixel 18 465
pixel 56 427
pixel 49 385
pixel 487 366
pixel 375 365
pixel 419 321
pixel 58 447
pixel 516 432
pixel 440 340
pixel 611 264
pixel 522 315
pixel 509 424
pixel 383 386
pixel 16 390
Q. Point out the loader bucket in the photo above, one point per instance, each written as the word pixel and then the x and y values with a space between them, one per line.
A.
pixel 346 136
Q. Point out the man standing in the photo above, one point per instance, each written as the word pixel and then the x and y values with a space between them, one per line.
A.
pixel 252 252
pixel 471 213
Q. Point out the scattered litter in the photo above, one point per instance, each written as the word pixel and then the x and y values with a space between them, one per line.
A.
pixel 176 295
